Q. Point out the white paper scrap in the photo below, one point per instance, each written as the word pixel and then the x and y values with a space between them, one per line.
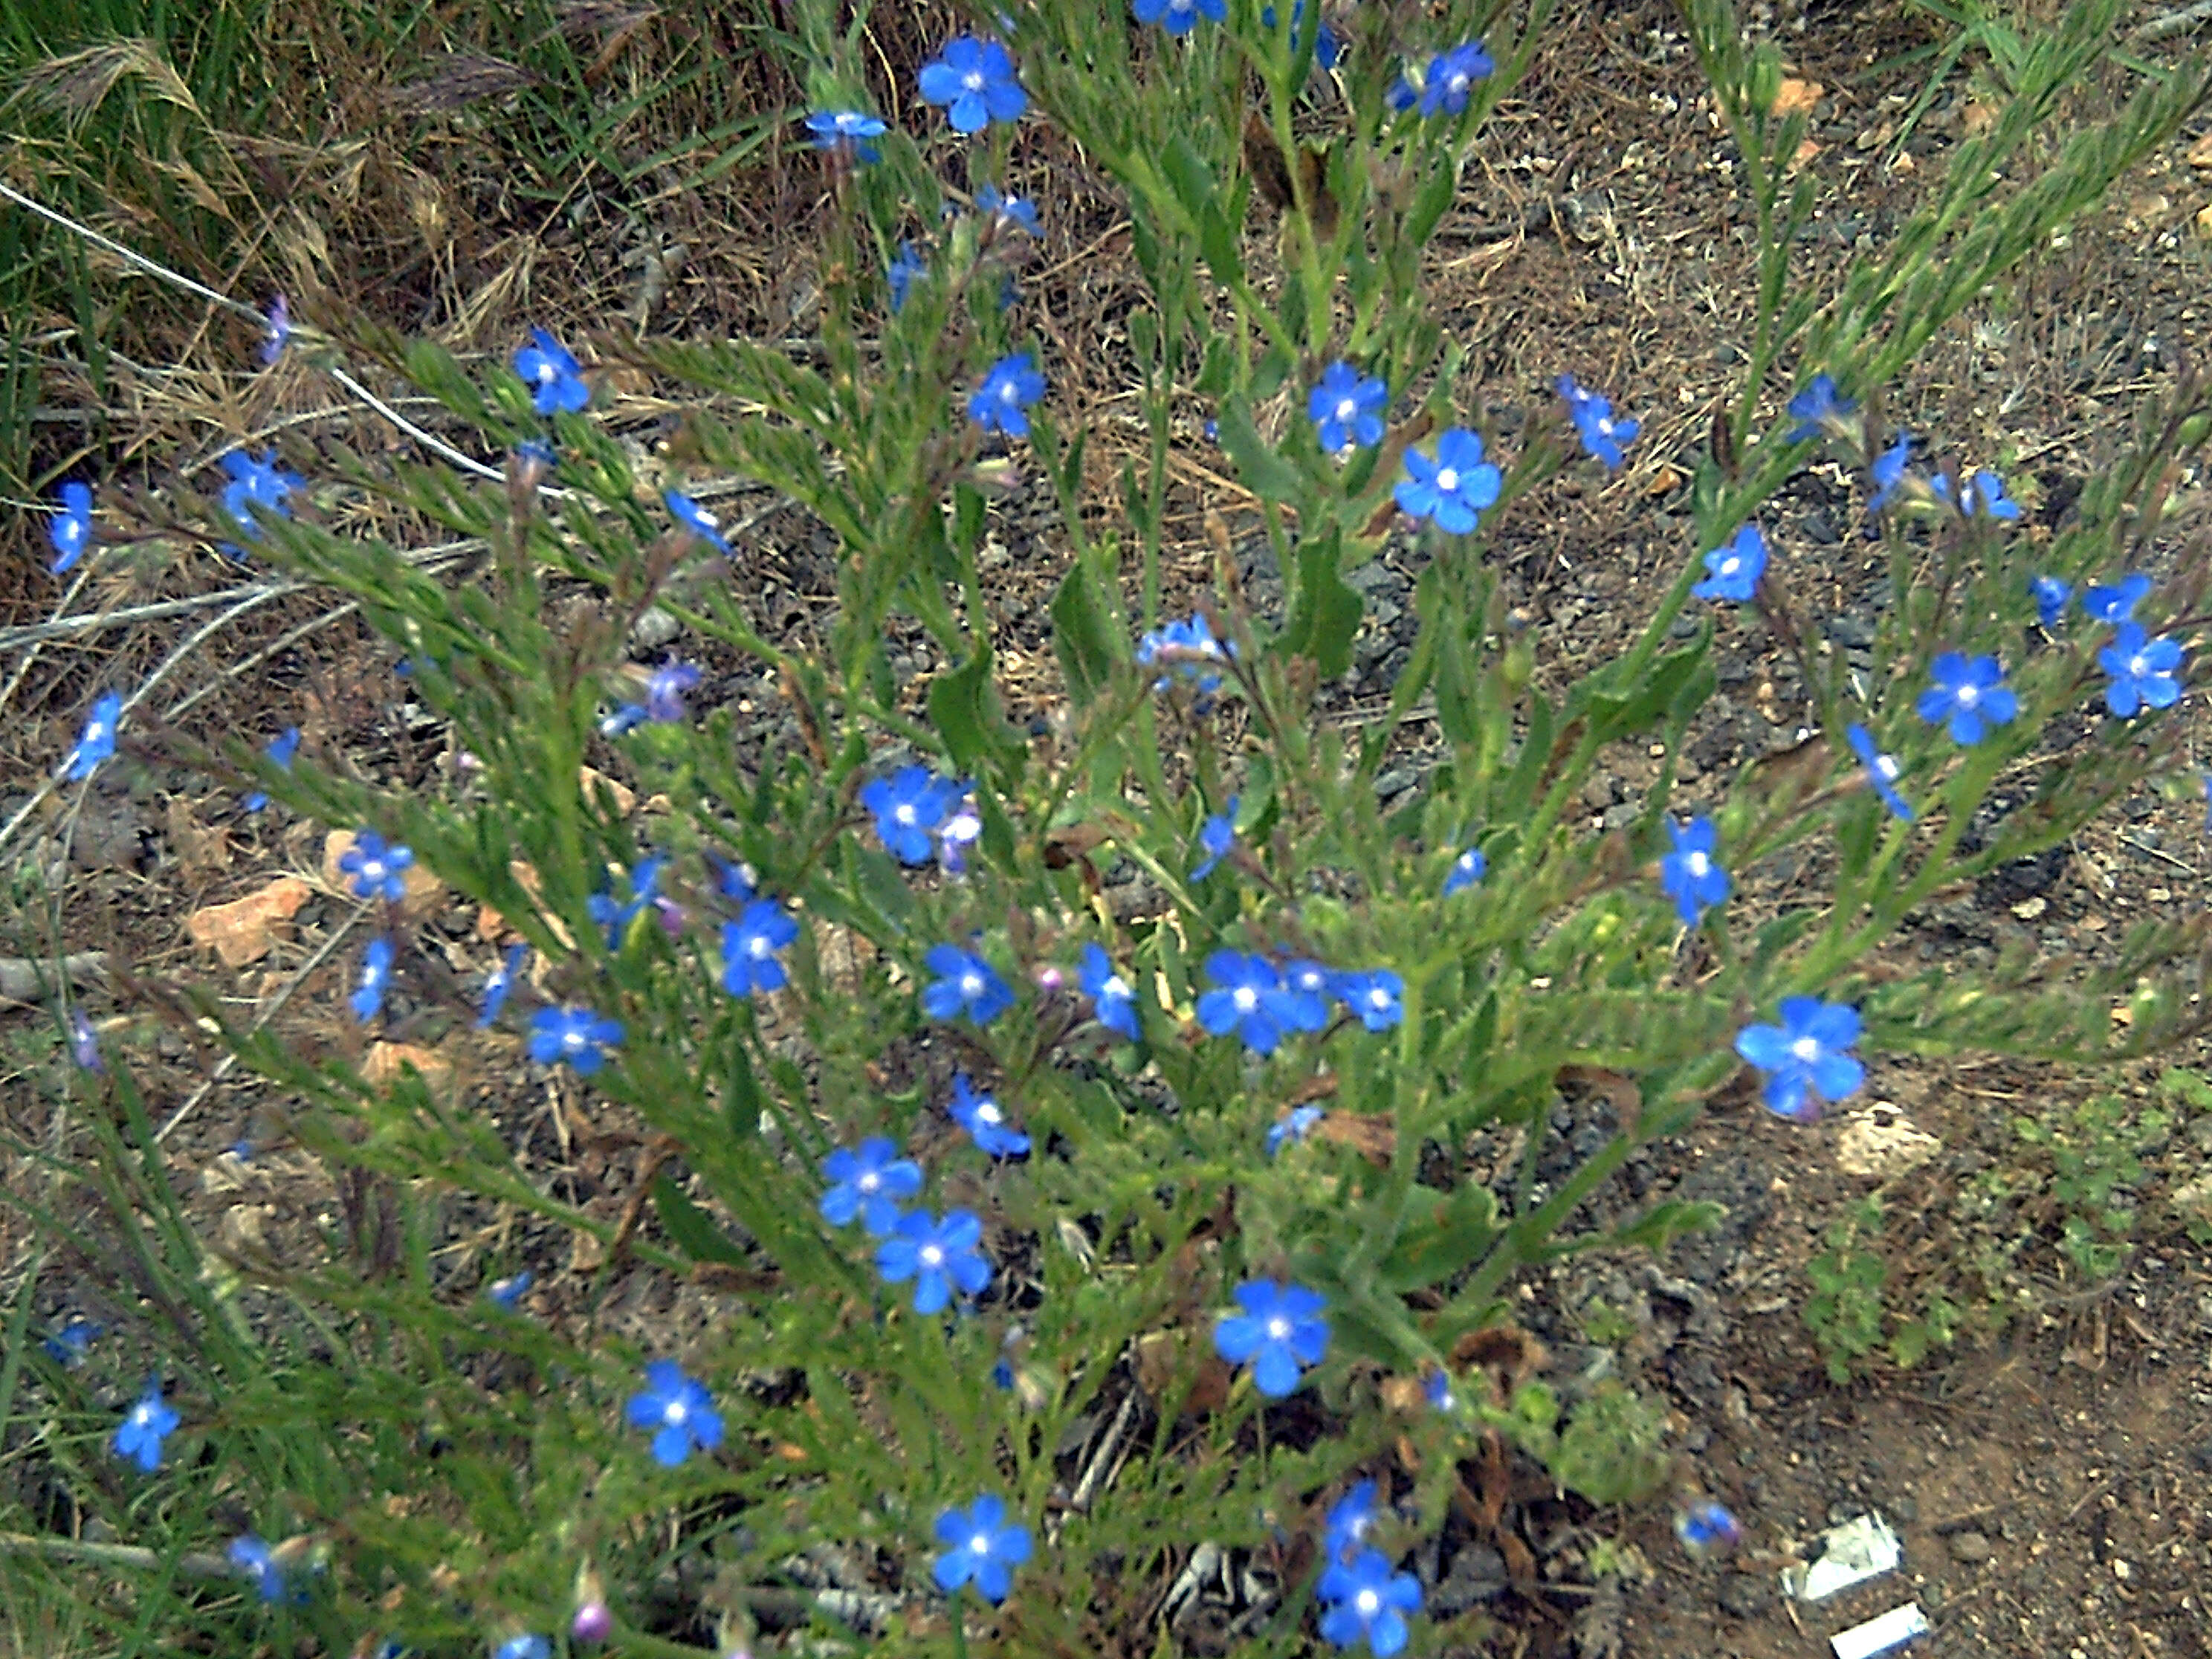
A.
pixel 1893 1630
pixel 1856 1551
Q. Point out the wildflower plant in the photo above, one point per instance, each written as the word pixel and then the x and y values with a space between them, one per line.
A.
pixel 925 901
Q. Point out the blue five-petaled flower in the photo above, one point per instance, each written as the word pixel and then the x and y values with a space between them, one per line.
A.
pixel 378 870
pixel 144 1427
pixel 252 1555
pixel 974 81
pixel 1293 1127
pixel 1601 434
pixel 368 990
pixel 678 1410
pixel 965 984
pixel 97 741
pixel 1215 837
pixel 1250 999
pixel 696 520
pixel 1969 696
pixel 1001 402
pixel 499 983
pixel 577 1035
pixel 1983 496
pixel 937 1255
pixel 984 1549
pixel 2118 603
pixel 1888 472
pixel 1804 1057
pixel 2050 597
pixel 846 132
pixel 1346 407
pixel 1819 407
pixel 261 484
pixel 907 806
pixel 1008 212
pixel 1467 870
pixel 905 269
pixel 71 531
pixel 1706 1527
pixel 1691 875
pixel 1113 1004
pixel 1178 17
pixel 1452 488
pixel 281 748
pixel 556 379
pixel 868 1182
pixel 979 1115
pixel 1187 648
pixel 1882 770
pixel 1733 572
pixel 1367 1600
pixel 748 947
pixel 1280 1331
pixel 2142 670
pixel 1451 76
pixel 1376 995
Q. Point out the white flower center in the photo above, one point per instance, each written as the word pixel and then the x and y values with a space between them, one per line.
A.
pixel 1604 426
pixel 1886 767
pixel 869 1181
pixel 1245 998
pixel 1009 392
pixel 971 986
pixel 758 947
pixel 1698 865
pixel 2138 667
pixel 1116 986
pixel 1730 565
pixel 1448 480
pixel 932 1256
pixel 903 813
pixel 1806 1048
pixel 1378 998
pixel 1347 409
pixel 572 1040
pixel 1279 1328
pixel 675 1413
pixel 988 1112
pixel 972 80
pixel 1369 1603
pixel 1458 83
pixel 980 1543
pixel 1969 696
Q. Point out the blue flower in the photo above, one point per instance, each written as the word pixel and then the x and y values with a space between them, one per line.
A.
pixel 501 982
pixel 1113 1004
pixel 961 831
pixel 555 378
pixel 97 742
pixel 1451 76
pixel 1367 1601
pixel 905 269
pixel 1008 212
pixel 985 1548
pixel 253 485
pixel 679 1410
pixel 67 1345
pixel 71 531
pixel 1882 770
pixel 578 1035
pixel 696 520
pixel 1310 985
pixel 1707 1528
pixel 1889 470
pixel 378 870
pixel 1344 1529
pixel 1435 1389
pixel 524 1647
pixel 1215 837
pixel 907 806
pixel 1602 435
pixel 937 1255
pixel 1326 48
pixel 979 1115
pixel 1968 692
pixel 974 81
pixel 1186 648
pixel 1734 571
pixel 1178 17
pixel 1376 995
pixel 2050 597
pixel 1346 407
pixel 868 1182
pixel 368 997
pixel 1454 487
pixel 615 916
pixel 143 1427
pixel 1294 1127
pixel 1691 875
pixel 278 316
pixel 733 881
pixel 84 1043
pixel 281 748
pixel 1251 999
pixel 1467 869
pixel 2118 603
pixel 663 692
pixel 748 948
pixel 846 131
pixel 1001 402
pixel 1805 1054
pixel 2141 670
pixel 1281 1331
pixel 251 1555
pixel 1984 497
pixel 1819 407
pixel 965 984
pixel 507 1291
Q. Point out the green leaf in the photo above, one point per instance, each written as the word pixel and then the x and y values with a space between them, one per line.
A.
pixel 1430 1249
pixel 963 706
pixel 1662 1223
pixel 1327 618
pixel 1084 635
pixel 687 1225
pixel 745 1102
pixel 1188 176
pixel 1436 194
pixel 1619 712
pixel 1264 472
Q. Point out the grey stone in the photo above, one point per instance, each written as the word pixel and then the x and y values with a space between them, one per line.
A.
pixel 1477 1574
pixel 1395 781
pixel 654 629
pixel 1971 1548
pixel 1746 1594
pixel 1854 632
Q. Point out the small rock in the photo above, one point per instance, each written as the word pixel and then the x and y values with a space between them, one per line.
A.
pixel 654 629
pixel 1477 1574
pixel 1855 633
pixel 1746 1594
pixel 1905 1507
pixel 1971 1548
pixel 1597 794
pixel 2201 1457
pixel 1818 528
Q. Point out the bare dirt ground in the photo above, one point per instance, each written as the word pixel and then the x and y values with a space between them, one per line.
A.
pixel 2051 1474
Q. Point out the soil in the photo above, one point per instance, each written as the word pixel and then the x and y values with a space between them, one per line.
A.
pixel 2050 1475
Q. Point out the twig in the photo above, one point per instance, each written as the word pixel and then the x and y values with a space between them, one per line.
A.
pixel 192 1563
pixel 131 254
pixel 33 979
pixel 23 668
pixel 2173 23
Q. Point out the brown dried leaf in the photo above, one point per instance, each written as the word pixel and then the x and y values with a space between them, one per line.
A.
pixel 243 930
pixel 1796 98
pixel 1373 1137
